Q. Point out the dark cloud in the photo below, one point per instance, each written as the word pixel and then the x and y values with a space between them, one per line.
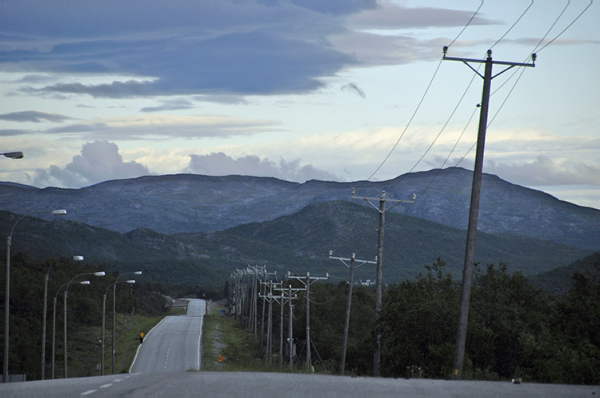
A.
pixel 355 89
pixel 219 164
pixel 169 105
pixel 224 47
pixel 337 7
pixel 99 161
pixel 165 126
pixel 77 128
pixel 130 89
pixel 33 116
pixel 13 132
pixel 398 17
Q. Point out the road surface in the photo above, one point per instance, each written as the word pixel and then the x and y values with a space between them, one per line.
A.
pixel 174 344
pixel 249 384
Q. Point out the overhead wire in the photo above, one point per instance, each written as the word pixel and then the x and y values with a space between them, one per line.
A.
pixel 422 97
pixel 410 120
pixel 451 115
pixel 440 133
pixel 522 71
pixel 568 26
pixel 513 25
pixel 431 82
pixel 535 49
pixel 468 23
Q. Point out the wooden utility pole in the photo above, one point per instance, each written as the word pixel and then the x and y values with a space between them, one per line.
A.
pixel 461 333
pixel 290 297
pixel 348 301
pixel 379 276
pixel 309 280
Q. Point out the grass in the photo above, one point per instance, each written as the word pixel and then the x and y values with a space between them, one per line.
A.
pixel 223 335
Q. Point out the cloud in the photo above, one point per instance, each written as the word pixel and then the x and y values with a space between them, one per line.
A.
pixel 219 164
pixel 169 105
pixel 156 126
pixel 221 99
pixel 543 171
pixel 33 116
pixel 213 48
pixel 394 16
pixel 129 89
pixel 99 161
pixel 11 132
pixel 354 88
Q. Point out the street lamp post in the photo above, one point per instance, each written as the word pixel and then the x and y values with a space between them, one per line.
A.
pixel 104 325
pixel 101 273
pixel 54 321
pixel 75 258
pixel 60 212
pixel 112 358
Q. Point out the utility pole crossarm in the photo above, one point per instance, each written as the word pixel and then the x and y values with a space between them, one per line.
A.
pixel 343 260
pixel 489 58
pixel 394 201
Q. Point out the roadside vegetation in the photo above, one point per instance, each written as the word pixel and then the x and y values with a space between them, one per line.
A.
pixel 515 331
pixel 227 346
pixel 139 307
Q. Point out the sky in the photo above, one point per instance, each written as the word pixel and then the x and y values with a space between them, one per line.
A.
pixel 337 90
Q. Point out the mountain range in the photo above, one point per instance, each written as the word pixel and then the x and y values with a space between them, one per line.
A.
pixel 197 229
pixel 195 203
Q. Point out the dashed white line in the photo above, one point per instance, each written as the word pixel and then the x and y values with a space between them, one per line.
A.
pixel 88 392
pixel 106 385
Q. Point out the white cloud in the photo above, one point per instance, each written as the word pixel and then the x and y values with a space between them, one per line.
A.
pixel 98 161
pixel 543 171
pixel 219 164
pixel 156 126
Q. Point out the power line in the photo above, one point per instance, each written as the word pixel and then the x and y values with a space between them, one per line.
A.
pixel 441 131
pixel 468 23
pixel 552 26
pixel 513 25
pixel 568 26
pixel 409 121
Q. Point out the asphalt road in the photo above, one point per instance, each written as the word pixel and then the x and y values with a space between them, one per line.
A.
pixel 247 384
pixel 174 344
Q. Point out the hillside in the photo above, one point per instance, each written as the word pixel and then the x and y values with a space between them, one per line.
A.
pixel 298 243
pixel 560 280
pixel 194 203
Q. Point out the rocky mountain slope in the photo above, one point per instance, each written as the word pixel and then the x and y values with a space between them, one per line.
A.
pixel 195 203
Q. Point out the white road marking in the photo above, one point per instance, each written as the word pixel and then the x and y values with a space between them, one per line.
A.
pixel 106 385
pixel 88 392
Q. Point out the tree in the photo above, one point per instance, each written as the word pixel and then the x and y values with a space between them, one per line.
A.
pixel 418 322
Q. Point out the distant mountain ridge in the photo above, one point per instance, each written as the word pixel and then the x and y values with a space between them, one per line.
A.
pixel 195 203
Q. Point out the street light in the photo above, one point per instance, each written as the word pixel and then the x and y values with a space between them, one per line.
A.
pixel 75 258
pixel 54 320
pixel 112 358
pixel 104 324
pixel 60 212
pixel 101 273
pixel 13 155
